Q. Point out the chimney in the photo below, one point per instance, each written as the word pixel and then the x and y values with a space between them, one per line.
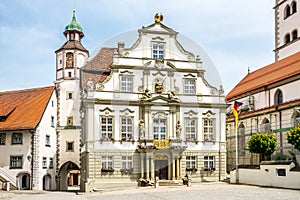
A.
pixel 121 47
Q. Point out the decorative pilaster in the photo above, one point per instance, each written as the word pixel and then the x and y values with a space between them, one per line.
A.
pixel 147 167
pixel 142 165
pixel 173 169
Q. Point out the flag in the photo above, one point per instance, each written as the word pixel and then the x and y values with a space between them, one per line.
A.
pixel 235 113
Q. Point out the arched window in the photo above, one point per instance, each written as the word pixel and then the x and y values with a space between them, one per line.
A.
pixel 294 7
pixel 287 38
pixel 295 34
pixel 241 139
pixel 265 126
pixel 278 98
pixel 287 11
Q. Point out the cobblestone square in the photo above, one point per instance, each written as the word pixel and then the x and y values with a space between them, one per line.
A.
pixel 207 191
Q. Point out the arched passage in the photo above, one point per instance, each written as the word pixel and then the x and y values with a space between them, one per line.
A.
pixel 68 176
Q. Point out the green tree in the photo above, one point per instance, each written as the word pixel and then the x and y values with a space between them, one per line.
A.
pixel 293 137
pixel 264 144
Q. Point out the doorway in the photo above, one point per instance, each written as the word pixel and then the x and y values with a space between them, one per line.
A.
pixel 161 169
pixel 47 182
pixel 25 182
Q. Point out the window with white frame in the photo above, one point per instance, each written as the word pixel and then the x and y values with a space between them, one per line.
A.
pixel 208 129
pixel 189 86
pixel 190 163
pixel 158 51
pixel 159 128
pixel 47 141
pixel 190 129
pixel 209 163
pixel 17 138
pixel 16 162
pixel 44 163
pixel 126 83
pixel 107 162
pixel 126 128
pixel 51 163
pixel 2 138
pixel 106 127
pixel 126 164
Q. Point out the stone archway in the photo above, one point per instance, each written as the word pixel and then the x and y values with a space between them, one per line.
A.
pixel 68 177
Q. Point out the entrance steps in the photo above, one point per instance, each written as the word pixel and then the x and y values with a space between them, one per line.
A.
pixel 170 183
pixel 6 181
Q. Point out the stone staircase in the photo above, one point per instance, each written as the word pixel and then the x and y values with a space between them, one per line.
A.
pixel 5 178
pixel 170 182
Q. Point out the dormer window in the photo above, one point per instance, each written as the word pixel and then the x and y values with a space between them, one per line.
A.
pixel 158 51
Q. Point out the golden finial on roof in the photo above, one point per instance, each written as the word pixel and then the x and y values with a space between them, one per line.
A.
pixel 158 17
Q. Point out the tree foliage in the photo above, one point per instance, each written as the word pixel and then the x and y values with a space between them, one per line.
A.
pixel 293 137
pixel 263 143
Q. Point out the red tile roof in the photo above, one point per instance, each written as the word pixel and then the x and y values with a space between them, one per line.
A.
pixel 72 45
pixel 267 75
pixel 98 68
pixel 23 109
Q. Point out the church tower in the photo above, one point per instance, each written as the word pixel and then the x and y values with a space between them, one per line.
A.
pixel 287 27
pixel 70 57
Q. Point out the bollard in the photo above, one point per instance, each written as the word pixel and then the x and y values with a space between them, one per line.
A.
pixel 156 182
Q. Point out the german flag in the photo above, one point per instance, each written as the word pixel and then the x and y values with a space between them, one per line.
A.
pixel 235 113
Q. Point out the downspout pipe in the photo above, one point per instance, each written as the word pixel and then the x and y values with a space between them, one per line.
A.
pixel 32 156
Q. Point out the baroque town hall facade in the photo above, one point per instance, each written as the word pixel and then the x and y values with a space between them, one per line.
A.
pixel 149 113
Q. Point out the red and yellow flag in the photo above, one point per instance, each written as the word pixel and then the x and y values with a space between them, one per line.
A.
pixel 235 113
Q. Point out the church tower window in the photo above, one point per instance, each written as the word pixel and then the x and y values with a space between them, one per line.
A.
pixel 287 38
pixel 295 34
pixel 294 7
pixel 287 11
pixel 278 97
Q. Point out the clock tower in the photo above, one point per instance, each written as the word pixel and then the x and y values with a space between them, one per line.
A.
pixel 70 57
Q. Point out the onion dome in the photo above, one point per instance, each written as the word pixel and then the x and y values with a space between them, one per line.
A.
pixel 73 26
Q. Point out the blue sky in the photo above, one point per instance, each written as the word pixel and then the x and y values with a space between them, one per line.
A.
pixel 235 34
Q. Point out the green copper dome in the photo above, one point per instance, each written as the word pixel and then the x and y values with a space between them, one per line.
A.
pixel 73 25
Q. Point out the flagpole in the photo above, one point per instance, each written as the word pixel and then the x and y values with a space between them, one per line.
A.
pixel 236 156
